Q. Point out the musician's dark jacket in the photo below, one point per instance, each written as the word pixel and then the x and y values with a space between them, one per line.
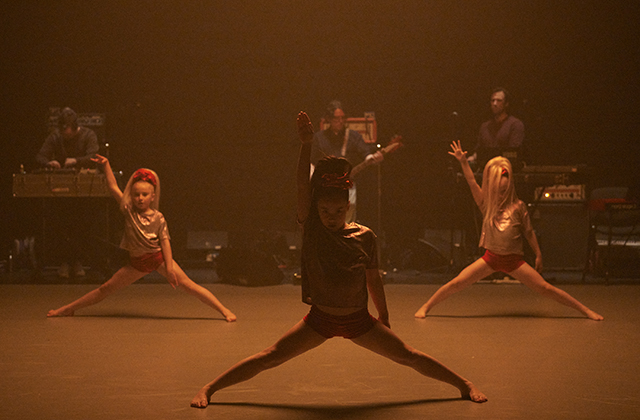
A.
pixel 82 147
pixel 496 138
pixel 326 143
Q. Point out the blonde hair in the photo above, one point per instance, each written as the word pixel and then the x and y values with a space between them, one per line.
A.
pixel 492 201
pixel 126 195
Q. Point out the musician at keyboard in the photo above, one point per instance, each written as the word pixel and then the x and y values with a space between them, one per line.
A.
pixel 70 147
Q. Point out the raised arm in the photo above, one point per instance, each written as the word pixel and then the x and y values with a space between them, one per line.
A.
pixel 305 132
pixel 461 156
pixel 111 180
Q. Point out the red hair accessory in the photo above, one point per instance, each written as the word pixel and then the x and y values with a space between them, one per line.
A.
pixel 145 175
pixel 336 181
pixel 504 172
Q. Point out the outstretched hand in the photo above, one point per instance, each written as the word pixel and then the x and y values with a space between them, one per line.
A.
pixel 100 160
pixel 458 153
pixel 172 278
pixel 305 128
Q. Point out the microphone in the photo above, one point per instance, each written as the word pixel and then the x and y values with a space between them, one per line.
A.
pixel 455 125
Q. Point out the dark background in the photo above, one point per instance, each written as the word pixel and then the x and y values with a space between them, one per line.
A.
pixel 206 93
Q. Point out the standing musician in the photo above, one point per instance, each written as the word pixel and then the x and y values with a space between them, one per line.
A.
pixel 338 140
pixel 502 135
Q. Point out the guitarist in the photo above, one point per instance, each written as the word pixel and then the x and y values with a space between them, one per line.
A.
pixel 338 140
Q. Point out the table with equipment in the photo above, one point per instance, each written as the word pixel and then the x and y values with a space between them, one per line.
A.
pixel 45 185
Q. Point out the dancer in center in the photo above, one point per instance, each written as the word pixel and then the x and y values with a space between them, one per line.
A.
pixel 505 222
pixel 339 264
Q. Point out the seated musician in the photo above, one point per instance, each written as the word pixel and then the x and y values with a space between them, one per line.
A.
pixel 502 135
pixel 69 147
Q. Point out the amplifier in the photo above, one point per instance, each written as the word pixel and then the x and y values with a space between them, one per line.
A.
pixel 60 185
pixel 366 126
pixel 85 119
pixel 91 119
pixel 555 168
pixel 563 233
pixel 560 193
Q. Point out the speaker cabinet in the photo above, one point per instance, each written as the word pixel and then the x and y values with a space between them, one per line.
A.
pixel 562 230
pixel 248 267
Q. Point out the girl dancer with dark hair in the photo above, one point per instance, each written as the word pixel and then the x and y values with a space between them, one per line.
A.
pixel 505 222
pixel 146 237
pixel 339 264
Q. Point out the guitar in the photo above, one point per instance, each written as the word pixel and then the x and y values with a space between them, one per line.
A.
pixel 394 144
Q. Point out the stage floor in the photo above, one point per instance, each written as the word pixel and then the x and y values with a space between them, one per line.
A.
pixel 144 353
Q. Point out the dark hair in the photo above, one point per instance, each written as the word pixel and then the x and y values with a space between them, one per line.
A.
pixel 507 95
pixel 68 118
pixel 331 165
pixel 331 108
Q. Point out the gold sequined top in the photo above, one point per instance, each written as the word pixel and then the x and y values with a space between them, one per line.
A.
pixel 143 233
pixel 503 235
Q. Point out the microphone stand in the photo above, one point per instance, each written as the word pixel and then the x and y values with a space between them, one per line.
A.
pixel 379 205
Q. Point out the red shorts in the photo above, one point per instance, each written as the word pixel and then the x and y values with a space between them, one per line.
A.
pixel 347 326
pixel 504 263
pixel 147 262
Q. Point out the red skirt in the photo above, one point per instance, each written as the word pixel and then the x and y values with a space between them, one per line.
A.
pixel 147 263
pixel 347 326
pixel 504 263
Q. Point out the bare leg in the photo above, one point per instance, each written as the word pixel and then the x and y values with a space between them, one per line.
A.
pixel 297 340
pixel 475 271
pixel 383 341
pixel 194 289
pixel 532 279
pixel 122 278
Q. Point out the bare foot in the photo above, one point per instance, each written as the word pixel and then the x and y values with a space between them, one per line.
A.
pixel 422 313
pixel 594 316
pixel 230 317
pixel 60 312
pixel 473 394
pixel 201 400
